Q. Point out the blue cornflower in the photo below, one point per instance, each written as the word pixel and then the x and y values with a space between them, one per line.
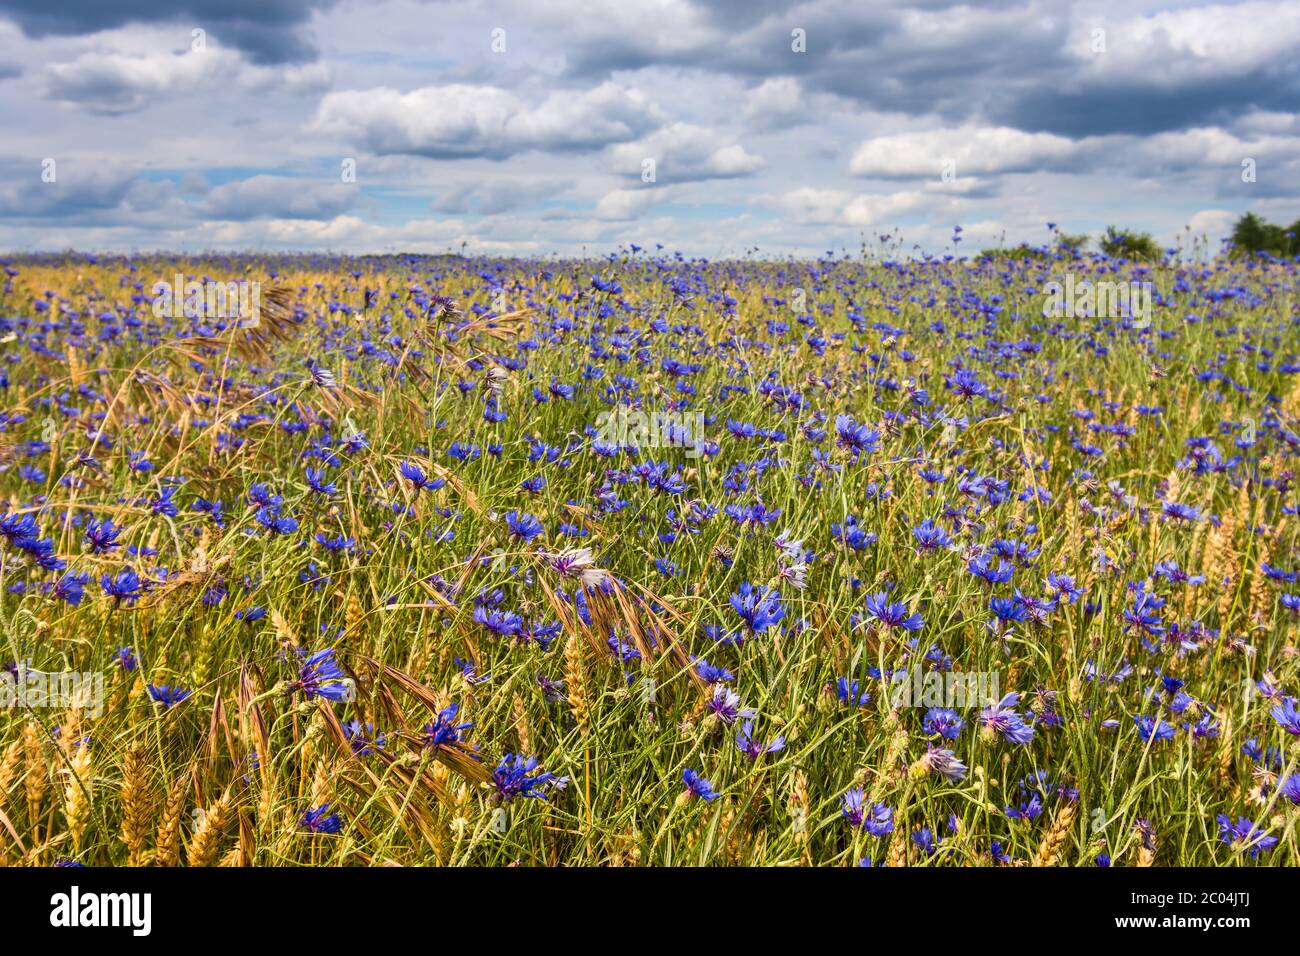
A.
pixel 759 607
pixel 101 536
pixel 317 821
pixel 1247 833
pixel 167 696
pixel 321 676
pixel 982 567
pixel 849 692
pixel 1008 610
pixel 511 778
pixel 876 818
pixel 924 838
pixel 417 477
pixel 711 674
pixel 523 526
pixel 124 586
pixel 892 614
pixel 1001 718
pixel 859 439
pixel 725 704
pixel 19 528
pixel 71 588
pixel 752 748
pixel 697 786
pixel 318 481
pixel 271 519
pixel 444 730
pixel 1286 714
pixel 944 722
pixel 499 622
pixel 930 537
pixel 362 738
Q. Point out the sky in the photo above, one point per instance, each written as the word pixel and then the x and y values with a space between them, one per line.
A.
pixel 577 127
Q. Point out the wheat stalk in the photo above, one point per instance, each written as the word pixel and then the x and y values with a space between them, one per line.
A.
pixel 169 824
pixel 1056 835
pixel 206 844
pixel 137 803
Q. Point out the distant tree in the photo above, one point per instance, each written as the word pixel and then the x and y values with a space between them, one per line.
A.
pixel 1016 253
pixel 1252 235
pixel 1127 244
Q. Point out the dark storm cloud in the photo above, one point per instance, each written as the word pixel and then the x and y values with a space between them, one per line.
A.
pixel 1026 65
pixel 1140 108
pixel 269 31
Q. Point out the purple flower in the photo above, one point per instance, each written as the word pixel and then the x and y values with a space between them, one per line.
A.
pixel 101 536
pixel 362 738
pixel 1290 788
pixel 71 588
pixel 523 526
pixel 726 704
pixel 850 692
pixel 500 623
pixel 876 818
pixel 417 477
pixel 943 762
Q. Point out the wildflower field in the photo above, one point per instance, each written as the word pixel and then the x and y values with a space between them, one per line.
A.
pixel 649 560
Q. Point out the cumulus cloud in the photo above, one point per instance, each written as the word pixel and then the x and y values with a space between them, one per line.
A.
pixel 620 205
pixel 970 149
pixel 777 103
pixel 463 121
pixel 830 206
pixel 119 83
pixel 683 152
pixel 278 197
pixel 544 147
pixel 74 188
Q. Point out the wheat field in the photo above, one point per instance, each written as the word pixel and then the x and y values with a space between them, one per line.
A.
pixel 648 561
